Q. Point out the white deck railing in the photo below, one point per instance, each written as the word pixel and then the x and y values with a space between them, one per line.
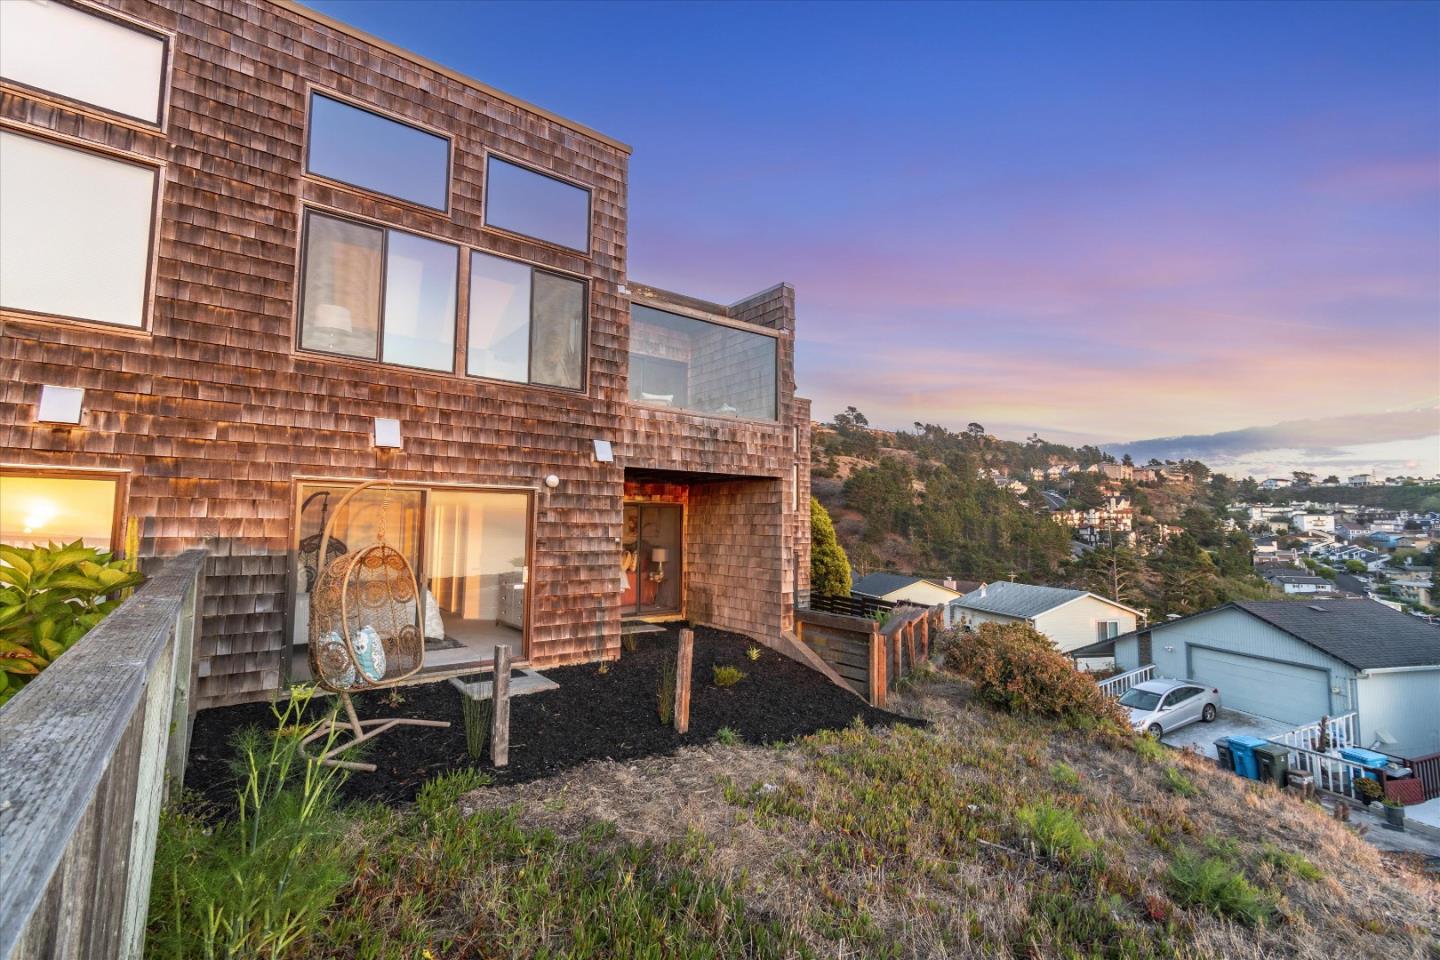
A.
pixel 1332 774
pixel 1341 731
pixel 1117 685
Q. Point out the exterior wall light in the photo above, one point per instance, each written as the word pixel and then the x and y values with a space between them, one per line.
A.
pixel 387 433
pixel 552 481
pixel 59 404
pixel 604 453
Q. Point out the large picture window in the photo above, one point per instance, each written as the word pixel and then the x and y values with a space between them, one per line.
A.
pixel 82 56
pixel 366 150
pixel 692 364
pixel 539 206
pixel 38 508
pixel 526 325
pixel 378 294
pixel 75 231
pixel 469 549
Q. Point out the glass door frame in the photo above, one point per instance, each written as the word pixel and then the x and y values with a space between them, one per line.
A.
pixel 297 488
pixel 634 611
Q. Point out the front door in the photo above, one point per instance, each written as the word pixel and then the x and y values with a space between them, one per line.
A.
pixel 653 547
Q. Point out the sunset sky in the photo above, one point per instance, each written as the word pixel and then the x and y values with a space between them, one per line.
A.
pixel 1099 222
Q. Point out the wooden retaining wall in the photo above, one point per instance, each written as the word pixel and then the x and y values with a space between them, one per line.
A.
pixel 85 751
pixel 869 657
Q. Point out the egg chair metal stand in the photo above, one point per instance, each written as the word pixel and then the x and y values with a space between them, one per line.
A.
pixel 365 633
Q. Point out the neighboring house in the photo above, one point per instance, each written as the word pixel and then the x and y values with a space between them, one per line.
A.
pixel 1362 480
pixel 1391 541
pixel 253 256
pixel 1265 546
pixel 1275 483
pixel 1313 522
pixel 1299 584
pixel 1296 662
pixel 1070 618
pixel 1413 590
pixel 897 587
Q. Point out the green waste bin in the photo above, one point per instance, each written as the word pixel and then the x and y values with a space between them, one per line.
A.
pixel 1223 758
pixel 1273 761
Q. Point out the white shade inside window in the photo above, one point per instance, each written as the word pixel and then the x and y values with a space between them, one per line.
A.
pixel 74 231
pixel 82 56
pixel 420 278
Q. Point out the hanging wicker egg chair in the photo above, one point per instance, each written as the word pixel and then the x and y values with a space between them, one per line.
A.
pixel 365 629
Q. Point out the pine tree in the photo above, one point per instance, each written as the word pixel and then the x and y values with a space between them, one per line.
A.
pixel 829 567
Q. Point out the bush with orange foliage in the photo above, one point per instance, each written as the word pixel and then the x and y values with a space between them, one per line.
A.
pixel 1016 668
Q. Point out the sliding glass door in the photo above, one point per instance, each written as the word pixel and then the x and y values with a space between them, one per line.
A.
pixel 653 551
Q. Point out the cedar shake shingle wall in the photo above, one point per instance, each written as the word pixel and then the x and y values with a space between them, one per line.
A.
pixel 214 413
pixel 734 554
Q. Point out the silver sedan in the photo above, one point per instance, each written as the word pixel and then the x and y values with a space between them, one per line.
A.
pixel 1161 706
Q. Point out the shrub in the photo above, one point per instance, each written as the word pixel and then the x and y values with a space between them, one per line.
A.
pixel 1055 830
pixel 260 883
pixel 1017 669
pixel 665 694
pixel 727 736
pixel 829 567
pixel 727 676
pixel 50 597
pixel 1369 790
pixel 1065 775
pixel 477 715
pixel 1147 748
pixel 1179 783
pixel 1212 884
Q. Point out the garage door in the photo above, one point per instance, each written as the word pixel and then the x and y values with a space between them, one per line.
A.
pixel 1265 688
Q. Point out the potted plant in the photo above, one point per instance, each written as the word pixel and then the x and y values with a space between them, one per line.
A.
pixel 1394 813
pixel 1367 790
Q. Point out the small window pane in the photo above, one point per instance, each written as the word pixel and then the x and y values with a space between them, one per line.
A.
pixel 74 232
pixel 536 205
pixel 499 318
pixel 38 510
pixel 420 278
pixel 341 287
pixel 81 56
pixel 558 336
pixel 367 150
pixel 678 361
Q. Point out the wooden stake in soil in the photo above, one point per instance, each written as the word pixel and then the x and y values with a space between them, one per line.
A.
pixel 682 680
pixel 500 719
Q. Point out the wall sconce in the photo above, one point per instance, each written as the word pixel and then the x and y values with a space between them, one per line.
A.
pixel 658 556
pixel 387 433
pixel 552 481
pixel 1169 648
pixel 59 404
pixel 604 452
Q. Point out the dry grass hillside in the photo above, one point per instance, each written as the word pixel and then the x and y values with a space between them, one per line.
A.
pixel 988 835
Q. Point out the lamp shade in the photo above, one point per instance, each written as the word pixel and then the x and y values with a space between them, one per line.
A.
pixel 659 555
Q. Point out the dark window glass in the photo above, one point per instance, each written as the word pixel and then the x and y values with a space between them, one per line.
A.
pixel 367 150
pixel 525 325
pixel 531 203
pixel 557 347
pixel 692 364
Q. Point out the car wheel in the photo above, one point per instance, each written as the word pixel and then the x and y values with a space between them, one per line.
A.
pixel 1154 730
pixel 1208 714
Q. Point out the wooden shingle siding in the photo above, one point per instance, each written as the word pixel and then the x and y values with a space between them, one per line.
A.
pixel 215 413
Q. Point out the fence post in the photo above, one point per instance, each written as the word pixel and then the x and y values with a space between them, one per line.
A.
pixel 500 716
pixel 878 659
pixel 682 680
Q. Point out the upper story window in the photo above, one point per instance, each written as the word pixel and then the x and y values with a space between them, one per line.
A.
pixel 83 56
pixel 366 150
pixel 526 325
pixel 536 205
pixel 75 231
pixel 378 294
pixel 693 364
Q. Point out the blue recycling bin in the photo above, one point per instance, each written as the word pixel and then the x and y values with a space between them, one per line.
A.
pixel 1243 750
pixel 1369 759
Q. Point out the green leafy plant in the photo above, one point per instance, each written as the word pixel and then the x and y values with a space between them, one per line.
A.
pixel 1179 783
pixel 1369 790
pixel 477 713
pixel 726 676
pixel 753 652
pixel 665 694
pixel 1291 863
pixel 1065 775
pixel 1147 748
pixel 727 736
pixel 258 884
pixel 1213 884
pixel 1055 830
pixel 50 597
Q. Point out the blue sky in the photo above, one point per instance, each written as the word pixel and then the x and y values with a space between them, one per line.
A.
pixel 1098 221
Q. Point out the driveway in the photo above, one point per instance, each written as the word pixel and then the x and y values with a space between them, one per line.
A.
pixel 1228 723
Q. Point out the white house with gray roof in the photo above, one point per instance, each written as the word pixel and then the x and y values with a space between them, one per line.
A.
pixel 1070 618
pixel 1297 661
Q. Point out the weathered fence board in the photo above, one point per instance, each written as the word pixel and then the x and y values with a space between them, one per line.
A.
pixel 683 660
pixel 870 658
pixel 500 714
pixel 85 749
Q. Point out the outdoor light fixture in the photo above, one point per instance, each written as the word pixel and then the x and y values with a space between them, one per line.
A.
pixel 604 453
pixel 59 404
pixel 552 481
pixel 387 432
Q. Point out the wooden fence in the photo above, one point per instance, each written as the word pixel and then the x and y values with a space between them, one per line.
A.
pixel 85 749
pixel 853 605
pixel 870 657
pixel 1427 771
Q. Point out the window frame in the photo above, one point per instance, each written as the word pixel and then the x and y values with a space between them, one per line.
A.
pixel 776 420
pixel 299 482
pixel 303 260
pixel 121 479
pixel 529 380
pixel 167 65
pixel 487 155
pixel 159 169
pixel 312 91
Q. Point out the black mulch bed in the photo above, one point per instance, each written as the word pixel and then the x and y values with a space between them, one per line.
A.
pixel 592 716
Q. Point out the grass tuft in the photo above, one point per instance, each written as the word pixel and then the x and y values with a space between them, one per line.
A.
pixel 1056 831
pixel 727 736
pixel 1065 775
pixel 1213 884
pixel 665 691
pixel 1179 783
pixel 727 676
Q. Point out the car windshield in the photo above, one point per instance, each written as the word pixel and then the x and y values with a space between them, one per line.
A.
pixel 1137 699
